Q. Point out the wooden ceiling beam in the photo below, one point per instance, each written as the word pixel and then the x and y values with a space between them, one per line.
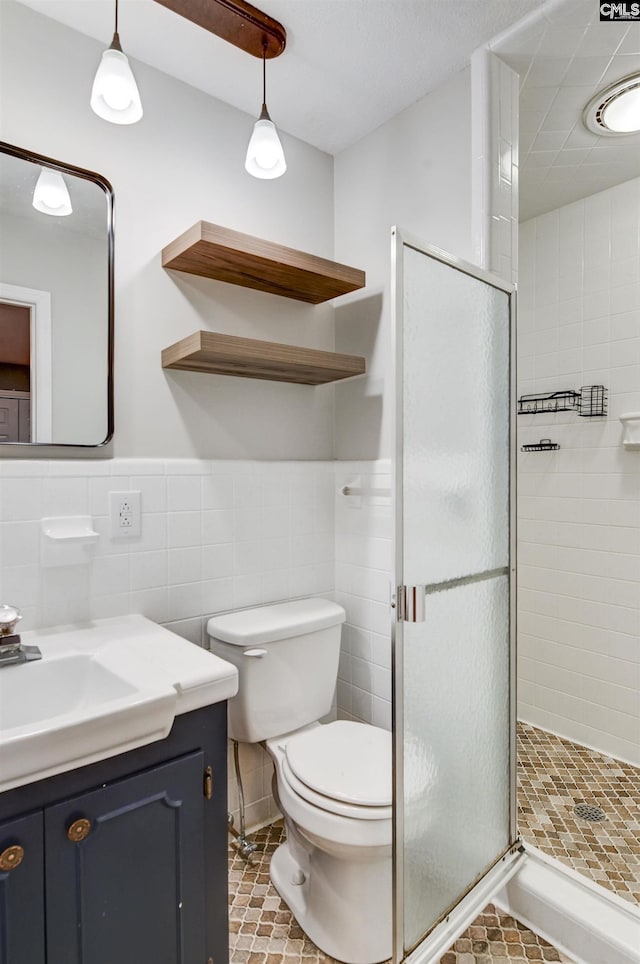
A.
pixel 237 22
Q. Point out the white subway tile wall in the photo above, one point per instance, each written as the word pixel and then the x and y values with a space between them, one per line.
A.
pixel 257 773
pixel 363 577
pixel 579 507
pixel 504 170
pixel 216 536
pixel 495 164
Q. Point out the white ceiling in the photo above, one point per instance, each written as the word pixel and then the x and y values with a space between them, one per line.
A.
pixel 563 60
pixel 349 65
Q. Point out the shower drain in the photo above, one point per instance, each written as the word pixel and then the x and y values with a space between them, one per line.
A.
pixel 586 812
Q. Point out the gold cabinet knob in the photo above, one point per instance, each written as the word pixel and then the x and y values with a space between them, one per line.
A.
pixel 11 857
pixel 79 829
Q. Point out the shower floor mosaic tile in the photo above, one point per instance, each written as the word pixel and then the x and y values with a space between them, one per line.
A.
pixel 554 776
pixel 262 929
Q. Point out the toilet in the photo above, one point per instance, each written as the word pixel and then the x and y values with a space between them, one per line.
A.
pixel 332 781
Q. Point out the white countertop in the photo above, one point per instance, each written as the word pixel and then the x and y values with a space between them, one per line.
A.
pixel 100 689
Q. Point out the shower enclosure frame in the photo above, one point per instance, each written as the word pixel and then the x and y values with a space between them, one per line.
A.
pixel 441 934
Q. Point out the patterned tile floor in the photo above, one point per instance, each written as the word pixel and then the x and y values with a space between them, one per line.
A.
pixel 555 775
pixel 262 929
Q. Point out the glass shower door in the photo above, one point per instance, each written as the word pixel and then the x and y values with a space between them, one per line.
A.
pixel 453 663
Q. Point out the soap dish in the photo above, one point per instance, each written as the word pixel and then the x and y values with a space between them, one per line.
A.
pixel 67 540
pixel 631 430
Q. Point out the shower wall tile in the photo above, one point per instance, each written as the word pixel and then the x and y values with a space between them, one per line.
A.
pixel 579 507
pixel 495 174
pixel 363 579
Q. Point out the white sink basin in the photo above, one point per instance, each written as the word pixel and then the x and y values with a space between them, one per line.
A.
pixel 56 687
pixel 100 690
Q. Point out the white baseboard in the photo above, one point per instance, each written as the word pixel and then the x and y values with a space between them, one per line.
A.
pixel 581 919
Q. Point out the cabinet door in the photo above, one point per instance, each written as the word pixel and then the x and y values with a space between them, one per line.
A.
pixel 126 886
pixel 24 420
pixel 9 419
pixel 21 891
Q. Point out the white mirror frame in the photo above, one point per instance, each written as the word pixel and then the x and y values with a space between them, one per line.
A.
pixel 39 304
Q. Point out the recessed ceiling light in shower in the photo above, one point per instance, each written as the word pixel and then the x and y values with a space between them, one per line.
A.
pixel 616 110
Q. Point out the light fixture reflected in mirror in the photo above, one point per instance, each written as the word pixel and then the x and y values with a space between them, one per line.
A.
pixel 114 95
pixel 265 156
pixel 616 110
pixel 51 195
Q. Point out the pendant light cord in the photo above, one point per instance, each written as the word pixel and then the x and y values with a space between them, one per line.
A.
pixel 264 113
pixel 115 43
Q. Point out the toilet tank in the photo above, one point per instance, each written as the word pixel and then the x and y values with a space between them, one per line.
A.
pixel 287 660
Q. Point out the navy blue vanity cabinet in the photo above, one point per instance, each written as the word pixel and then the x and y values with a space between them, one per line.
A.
pixel 22 939
pixel 132 856
pixel 125 870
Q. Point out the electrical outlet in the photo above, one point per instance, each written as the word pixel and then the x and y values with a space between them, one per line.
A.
pixel 124 510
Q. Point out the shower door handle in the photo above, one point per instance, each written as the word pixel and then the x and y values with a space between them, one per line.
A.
pixel 410 604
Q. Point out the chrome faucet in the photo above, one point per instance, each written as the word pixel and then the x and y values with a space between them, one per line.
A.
pixel 12 649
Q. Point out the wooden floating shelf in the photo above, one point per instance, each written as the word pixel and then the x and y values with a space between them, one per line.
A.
pixel 212 251
pixel 208 351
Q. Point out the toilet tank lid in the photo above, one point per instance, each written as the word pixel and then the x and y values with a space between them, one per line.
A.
pixel 250 627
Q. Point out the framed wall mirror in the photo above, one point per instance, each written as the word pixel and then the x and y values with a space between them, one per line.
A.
pixel 56 302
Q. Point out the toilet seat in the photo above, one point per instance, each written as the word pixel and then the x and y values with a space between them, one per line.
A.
pixel 342 767
pixel 330 804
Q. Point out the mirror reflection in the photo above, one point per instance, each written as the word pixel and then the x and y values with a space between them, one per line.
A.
pixel 56 254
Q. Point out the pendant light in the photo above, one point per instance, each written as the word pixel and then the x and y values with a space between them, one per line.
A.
pixel 114 95
pixel 265 157
pixel 51 195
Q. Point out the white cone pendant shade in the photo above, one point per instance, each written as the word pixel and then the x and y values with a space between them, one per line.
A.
pixel 114 95
pixel 51 195
pixel 265 157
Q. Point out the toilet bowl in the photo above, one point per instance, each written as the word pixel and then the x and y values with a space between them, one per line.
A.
pixel 334 868
pixel 332 781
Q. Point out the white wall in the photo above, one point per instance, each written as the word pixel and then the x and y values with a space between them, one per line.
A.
pixel 413 172
pixel 183 162
pixel 579 507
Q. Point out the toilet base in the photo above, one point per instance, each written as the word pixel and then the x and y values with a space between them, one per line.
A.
pixel 343 906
